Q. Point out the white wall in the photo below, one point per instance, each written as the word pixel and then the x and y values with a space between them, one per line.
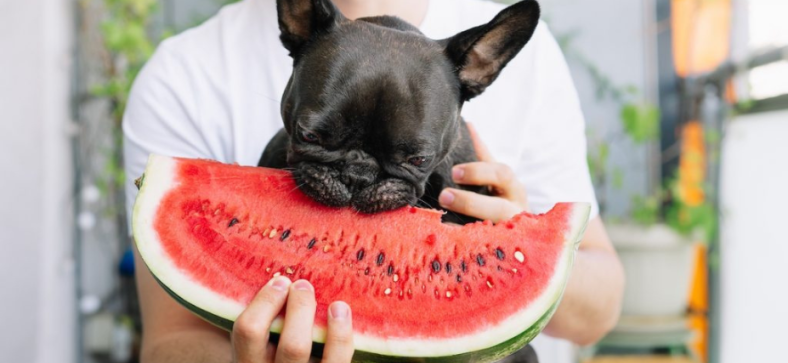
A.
pixel 754 193
pixel 35 274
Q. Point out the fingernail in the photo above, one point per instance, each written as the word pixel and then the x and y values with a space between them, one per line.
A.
pixel 302 285
pixel 280 283
pixel 446 198
pixel 457 173
pixel 339 310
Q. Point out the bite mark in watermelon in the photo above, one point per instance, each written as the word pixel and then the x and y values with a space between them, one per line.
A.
pixel 213 234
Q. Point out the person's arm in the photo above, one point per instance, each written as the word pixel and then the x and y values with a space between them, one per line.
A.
pixel 172 333
pixel 592 301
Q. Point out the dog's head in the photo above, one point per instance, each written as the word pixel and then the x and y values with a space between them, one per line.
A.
pixel 373 106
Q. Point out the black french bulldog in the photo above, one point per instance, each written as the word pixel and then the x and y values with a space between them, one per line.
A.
pixel 372 109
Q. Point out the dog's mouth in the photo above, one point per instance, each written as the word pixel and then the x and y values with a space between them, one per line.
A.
pixel 364 192
pixel 323 184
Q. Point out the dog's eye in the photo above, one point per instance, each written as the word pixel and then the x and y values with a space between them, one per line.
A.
pixel 417 160
pixel 310 137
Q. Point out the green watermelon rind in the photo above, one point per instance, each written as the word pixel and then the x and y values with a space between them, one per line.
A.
pixel 224 311
pixel 490 354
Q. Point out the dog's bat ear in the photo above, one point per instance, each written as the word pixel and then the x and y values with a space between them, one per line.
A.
pixel 300 20
pixel 480 53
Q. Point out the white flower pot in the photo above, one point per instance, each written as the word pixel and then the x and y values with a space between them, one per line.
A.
pixel 658 266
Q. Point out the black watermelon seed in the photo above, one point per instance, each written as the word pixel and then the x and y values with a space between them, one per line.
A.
pixel 480 260
pixel 459 278
pixel 311 244
pixel 381 258
pixel 284 235
pixel 233 222
pixel 499 253
pixel 448 268
pixel 463 266
pixel 360 254
pixel 390 270
pixel 366 271
pixel 436 266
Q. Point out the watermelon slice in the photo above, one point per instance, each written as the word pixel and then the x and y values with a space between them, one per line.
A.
pixel 213 234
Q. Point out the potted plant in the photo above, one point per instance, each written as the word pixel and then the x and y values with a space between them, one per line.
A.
pixel 655 241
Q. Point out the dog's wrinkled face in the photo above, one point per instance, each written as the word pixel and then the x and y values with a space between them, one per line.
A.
pixel 373 106
pixel 367 125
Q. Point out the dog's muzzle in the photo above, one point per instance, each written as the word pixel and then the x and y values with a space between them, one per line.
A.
pixel 354 185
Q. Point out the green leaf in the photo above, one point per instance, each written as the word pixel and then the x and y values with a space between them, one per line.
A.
pixel 689 220
pixel 646 210
pixel 142 7
pixel 641 122
pixel 113 34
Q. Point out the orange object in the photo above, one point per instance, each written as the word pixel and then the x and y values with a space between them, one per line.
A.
pixel 730 92
pixel 699 305
pixel 699 297
pixel 692 165
pixel 701 34
pixel 692 174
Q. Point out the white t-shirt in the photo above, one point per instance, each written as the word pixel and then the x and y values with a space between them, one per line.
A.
pixel 214 91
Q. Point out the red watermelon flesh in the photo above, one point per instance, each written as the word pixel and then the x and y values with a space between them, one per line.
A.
pixel 213 234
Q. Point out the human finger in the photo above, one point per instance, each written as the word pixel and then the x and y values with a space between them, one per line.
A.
pixel 497 175
pixel 339 338
pixel 295 342
pixel 476 205
pixel 251 328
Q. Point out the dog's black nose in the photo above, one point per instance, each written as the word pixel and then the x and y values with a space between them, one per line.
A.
pixel 358 176
pixel 360 170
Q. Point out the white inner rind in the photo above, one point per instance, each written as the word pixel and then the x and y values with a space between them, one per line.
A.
pixel 160 178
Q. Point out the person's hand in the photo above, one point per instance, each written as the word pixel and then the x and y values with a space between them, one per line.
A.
pixel 251 329
pixel 508 194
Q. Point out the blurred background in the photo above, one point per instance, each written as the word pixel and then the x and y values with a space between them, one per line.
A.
pixel 686 103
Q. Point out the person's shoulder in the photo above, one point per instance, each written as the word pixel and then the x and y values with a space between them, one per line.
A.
pixel 224 33
pixel 215 59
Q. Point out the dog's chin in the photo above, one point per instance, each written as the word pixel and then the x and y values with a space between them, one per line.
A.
pixel 323 184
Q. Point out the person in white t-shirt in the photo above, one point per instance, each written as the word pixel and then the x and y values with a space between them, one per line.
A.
pixel 213 92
